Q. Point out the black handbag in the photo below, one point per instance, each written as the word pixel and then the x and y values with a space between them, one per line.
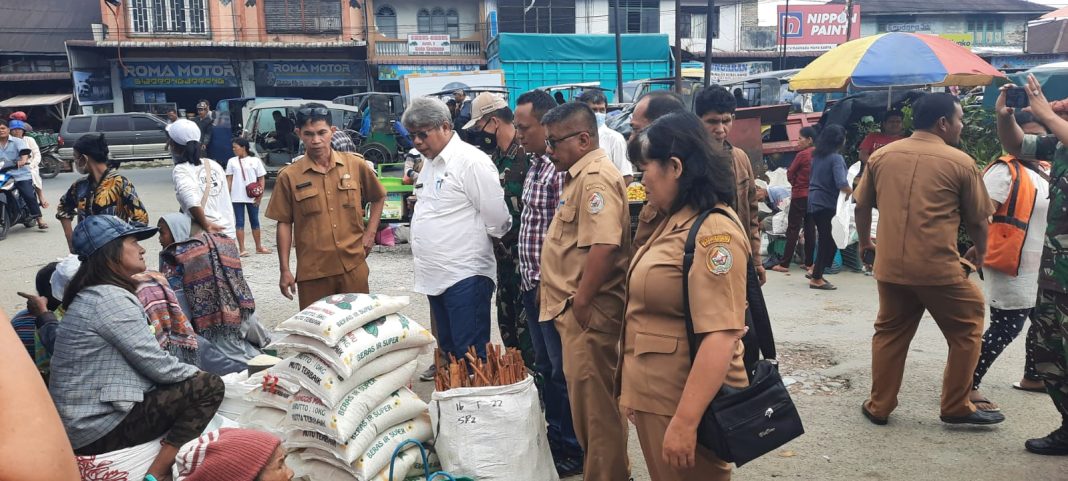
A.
pixel 741 425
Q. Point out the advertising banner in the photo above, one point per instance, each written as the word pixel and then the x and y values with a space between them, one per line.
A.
pixel 727 72
pixel 311 73
pixel 397 72
pixel 179 74
pixel 963 39
pixel 815 27
pixel 92 87
pixel 427 44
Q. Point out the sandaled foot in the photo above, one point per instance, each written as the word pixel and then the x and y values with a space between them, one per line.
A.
pixel 1029 386
pixel 263 250
pixel 244 254
pixel 778 268
pixel 826 286
pixel 41 225
pixel 983 404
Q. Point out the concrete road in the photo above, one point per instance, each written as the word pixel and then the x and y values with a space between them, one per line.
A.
pixel 824 338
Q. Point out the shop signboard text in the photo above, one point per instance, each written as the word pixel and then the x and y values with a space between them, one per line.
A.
pixel 179 74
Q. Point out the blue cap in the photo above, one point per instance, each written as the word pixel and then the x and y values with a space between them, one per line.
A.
pixel 17 124
pixel 96 230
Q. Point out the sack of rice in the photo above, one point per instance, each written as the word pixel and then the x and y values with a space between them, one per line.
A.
pixel 265 418
pixel 234 404
pixel 273 391
pixel 400 406
pixel 325 383
pixel 308 412
pixel 362 345
pixel 130 464
pixel 381 450
pixel 331 317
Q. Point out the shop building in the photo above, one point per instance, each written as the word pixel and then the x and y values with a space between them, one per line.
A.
pixel 150 56
pixel 411 37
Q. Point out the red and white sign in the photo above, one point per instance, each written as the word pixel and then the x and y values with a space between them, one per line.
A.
pixel 816 27
pixel 425 44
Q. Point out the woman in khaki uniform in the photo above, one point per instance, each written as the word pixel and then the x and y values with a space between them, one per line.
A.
pixel 662 394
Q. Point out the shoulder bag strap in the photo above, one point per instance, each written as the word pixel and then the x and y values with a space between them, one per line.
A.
pixel 207 183
pixel 757 318
pixel 241 167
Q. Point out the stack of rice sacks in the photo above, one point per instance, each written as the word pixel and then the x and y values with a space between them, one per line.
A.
pixel 340 397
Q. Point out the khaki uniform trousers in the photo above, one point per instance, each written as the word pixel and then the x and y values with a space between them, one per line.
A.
pixel 651 428
pixel 958 309
pixel 354 281
pixel 590 359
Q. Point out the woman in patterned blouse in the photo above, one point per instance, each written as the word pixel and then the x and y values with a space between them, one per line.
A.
pixel 102 191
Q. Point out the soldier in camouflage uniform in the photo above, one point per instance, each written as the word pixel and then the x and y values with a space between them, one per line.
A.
pixel 1051 321
pixel 492 130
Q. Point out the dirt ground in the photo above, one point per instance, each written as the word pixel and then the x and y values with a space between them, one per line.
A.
pixel 824 338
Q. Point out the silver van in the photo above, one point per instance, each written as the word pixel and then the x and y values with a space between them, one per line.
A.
pixel 130 136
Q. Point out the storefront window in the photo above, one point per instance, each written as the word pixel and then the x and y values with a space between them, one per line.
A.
pixel 302 16
pixel 386 20
pixel 636 16
pixel 987 30
pixel 452 19
pixel 168 16
pixel 693 22
pixel 437 21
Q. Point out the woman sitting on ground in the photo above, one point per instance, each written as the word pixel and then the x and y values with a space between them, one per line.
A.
pixel 234 454
pixel 113 385
pixel 207 267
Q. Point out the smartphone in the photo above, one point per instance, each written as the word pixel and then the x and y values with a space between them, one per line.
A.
pixel 1016 98
pixel 869 257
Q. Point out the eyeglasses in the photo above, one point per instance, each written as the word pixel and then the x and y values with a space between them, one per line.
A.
pixel 421 134
pixel 551 143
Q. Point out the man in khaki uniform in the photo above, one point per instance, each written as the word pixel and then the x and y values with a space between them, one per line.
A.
pixel 925 188
pixel 583 268
pixel 318 203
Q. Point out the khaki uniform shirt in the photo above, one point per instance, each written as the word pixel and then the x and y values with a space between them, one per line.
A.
pixel 656 353
pixel 593 210
pixel 326 210
pixel 746 196
pixel 924 189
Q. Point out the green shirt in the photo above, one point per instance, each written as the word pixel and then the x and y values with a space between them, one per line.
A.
pixel 512 164
pixel 1053 273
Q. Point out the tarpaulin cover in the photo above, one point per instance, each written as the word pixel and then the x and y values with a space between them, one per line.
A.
pixel 519 47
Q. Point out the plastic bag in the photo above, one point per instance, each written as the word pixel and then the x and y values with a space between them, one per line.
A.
pixel 492 433
pixel 130 464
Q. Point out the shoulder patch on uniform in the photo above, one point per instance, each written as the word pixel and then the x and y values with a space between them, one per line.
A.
pixel 720 260
pixel 715 239
pixel 595 204
pixel 596 186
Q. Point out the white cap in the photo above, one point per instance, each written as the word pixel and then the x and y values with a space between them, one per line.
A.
pixel 486 103
pixel 183 131
pixel 65 270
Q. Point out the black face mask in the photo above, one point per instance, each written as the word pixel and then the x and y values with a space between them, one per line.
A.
pixel 485 141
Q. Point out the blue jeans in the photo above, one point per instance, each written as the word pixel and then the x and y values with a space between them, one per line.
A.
pixel 253 215
pixel 549 363
pixel 462 314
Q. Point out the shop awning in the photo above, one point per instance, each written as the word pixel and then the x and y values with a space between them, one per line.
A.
pixel 61 102
pixel 35 100
pixel 29 76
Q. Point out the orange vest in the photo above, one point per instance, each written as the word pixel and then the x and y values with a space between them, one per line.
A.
pixel 1008 229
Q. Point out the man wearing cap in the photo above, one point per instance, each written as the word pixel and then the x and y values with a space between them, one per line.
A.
pixel 14 152
pixel 493 131
pixel 319 202
pixel 460 208
pixel 205 121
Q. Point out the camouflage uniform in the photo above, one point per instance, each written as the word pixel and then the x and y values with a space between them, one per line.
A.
pixel 1051 320
pixel 512 164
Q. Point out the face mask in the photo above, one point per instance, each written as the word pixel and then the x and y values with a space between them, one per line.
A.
pixel 600 118
pixel 485 141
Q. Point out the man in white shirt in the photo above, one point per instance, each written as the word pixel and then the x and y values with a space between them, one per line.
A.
pixel 460 207
pixel 613 143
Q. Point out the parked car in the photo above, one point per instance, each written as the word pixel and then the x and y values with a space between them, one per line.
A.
pixel 277 150
pixel 230 118
pixel 130 136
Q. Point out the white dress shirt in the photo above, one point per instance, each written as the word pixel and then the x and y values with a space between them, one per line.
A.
pixel 460 205
pixel 615 146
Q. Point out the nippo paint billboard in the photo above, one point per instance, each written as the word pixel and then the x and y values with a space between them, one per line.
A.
pixel 816 27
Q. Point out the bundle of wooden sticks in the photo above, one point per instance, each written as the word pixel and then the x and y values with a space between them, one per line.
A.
pixel 501 368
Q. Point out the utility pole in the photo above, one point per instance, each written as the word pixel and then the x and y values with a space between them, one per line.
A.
pixel 849 20
pixel 619 52
pixel 678 46
pixel 709 33
pixel 783 26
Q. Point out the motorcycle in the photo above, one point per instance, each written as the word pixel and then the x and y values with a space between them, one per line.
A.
pixel 13 209
pixel 51 165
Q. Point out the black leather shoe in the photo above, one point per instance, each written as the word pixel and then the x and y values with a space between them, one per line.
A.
pixel 978 417
pixel 1056 444
pixel 871 417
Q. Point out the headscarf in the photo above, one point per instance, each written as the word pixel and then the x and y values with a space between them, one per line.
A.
pixel 179 224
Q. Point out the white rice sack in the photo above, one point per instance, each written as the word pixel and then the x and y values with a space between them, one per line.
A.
pixel 378 455
pixel 362 345
pixel 325 383
pixel 130 464
pixel 273 391
pixel 308 412
pixel 313 469
pixel 234 404
pixel 331 317
pixel 401 466
pixel 266 419
pixel 400 406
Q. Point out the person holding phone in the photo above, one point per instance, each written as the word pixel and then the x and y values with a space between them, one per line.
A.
pixel 1051 320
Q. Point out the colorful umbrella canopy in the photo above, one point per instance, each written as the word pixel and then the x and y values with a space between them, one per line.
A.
pixel 894 60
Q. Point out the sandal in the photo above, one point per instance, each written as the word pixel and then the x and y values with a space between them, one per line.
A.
pixel 779 268
pixel 263 250
pixel 244 254
pixel 41 225
pixel 1017 385
pixel 826 286
pixel 984 404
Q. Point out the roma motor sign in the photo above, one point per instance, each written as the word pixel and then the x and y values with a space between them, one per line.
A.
pixel 816 27
pixel 178 74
